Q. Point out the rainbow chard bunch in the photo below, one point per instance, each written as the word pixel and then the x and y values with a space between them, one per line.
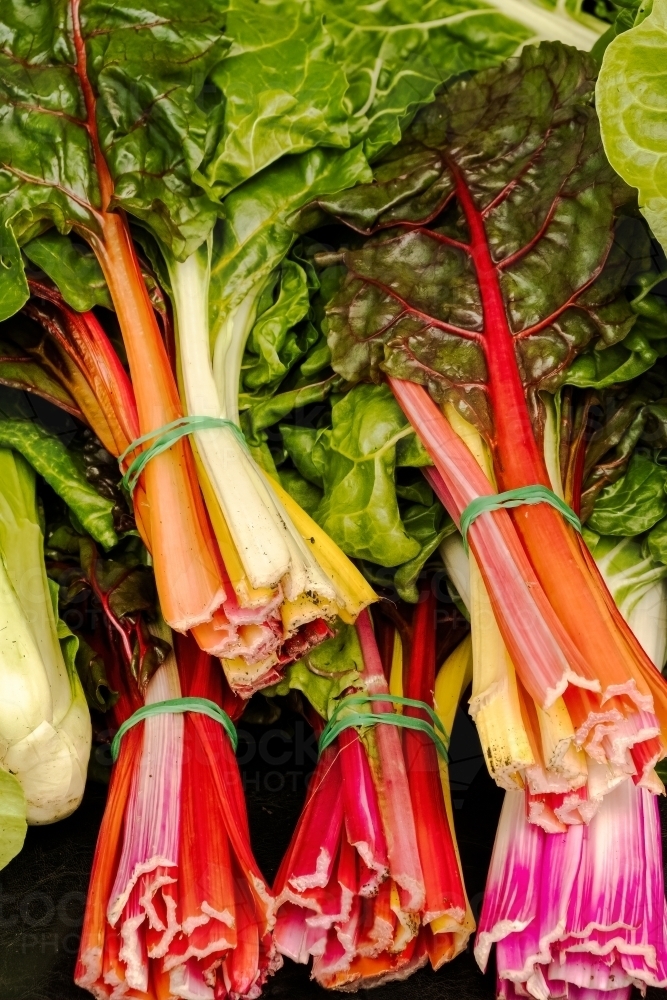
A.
pixel 234 560
pixel 177 906
pixel 371 885
pixel 491 265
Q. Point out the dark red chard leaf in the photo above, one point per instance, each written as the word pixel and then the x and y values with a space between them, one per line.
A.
pixel 490 263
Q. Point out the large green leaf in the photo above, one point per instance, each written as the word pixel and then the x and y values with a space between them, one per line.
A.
pixel 256 233
pixel 515 153
pixel 633 504
pixel 146 64
pixel 396 54
pixel 283 91
pixel 51 459
pixel 72 267
pixel 631 97
pixel 359 509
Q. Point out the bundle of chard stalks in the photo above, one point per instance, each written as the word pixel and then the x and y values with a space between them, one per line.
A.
pixel 346 308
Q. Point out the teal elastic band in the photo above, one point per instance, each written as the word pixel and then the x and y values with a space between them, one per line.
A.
pixel 336 725
pixel 165 437
pixel 515 498
pixel 177 706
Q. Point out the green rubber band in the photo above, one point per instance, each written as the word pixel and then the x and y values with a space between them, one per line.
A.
pixel 336 725
pixel 176 706
pixel 164 437
pixel 515 498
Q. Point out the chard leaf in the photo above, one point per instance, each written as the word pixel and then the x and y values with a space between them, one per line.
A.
pixel 307 447
pixel 359 509
pixel 269 411
pixel 19 371
pixel 307 495
pixel 257 231
pixel 146 65
pixel 14 291
pixel 634 503
pixel 395 55
pixel 72 267
pixel 656 542
pixel 93 676
pixel 282 88
pixel 619 363
pixel 50 458
pixel 428 526
pixel 274 345
pixel 630 95
pixel 505 167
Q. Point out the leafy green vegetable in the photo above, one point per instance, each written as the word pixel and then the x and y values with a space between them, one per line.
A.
pixel 354 462
pixel 656 542
pixel 257 234
pixel 147 64
pixel 637 583
pixel 19 371
pixel 51 459
pixel 72 267
pixel 428 526
pixel 412 304
pixel 14 290
pixel 634 503
pixel 44 722
pixel 283 91
pixel 307 495
pixel 630 96
pixel 93 676
pixel 274 346
pixel 396 55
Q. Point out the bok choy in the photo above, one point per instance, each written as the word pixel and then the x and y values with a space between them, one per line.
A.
pixel 45 730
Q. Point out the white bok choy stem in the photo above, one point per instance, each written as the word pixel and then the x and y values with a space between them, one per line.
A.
pixel 45 729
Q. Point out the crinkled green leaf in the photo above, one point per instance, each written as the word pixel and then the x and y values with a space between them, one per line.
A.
pixel 308 449
pixel 269 411
pixel 307 495
pixel 656 542
pixel 147 64
pixel 274 346
pixel 13 823
pixel 72 267
pixel 634 503
pixel 397 54
pixel 51 459
pixel 428 526
pixel 631 97
pixel 282 87
pixel 359 509
pixel 14 291
pixel 257 235
pixel 600 369
pixel 523 142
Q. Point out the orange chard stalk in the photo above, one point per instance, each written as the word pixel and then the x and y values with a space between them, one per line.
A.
pixel 184 550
